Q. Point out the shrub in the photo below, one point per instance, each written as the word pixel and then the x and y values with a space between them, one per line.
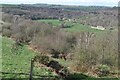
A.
pixel 60 42
pixel 104 70
pixel 76 76
pixel 55 65
pixel 6 32
pixel 42 59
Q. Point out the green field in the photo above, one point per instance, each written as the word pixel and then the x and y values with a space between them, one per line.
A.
pixel 13 64
pixel 75 27
pixel 81 28
pixel 54 22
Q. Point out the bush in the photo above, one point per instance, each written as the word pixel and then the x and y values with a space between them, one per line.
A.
pixel 76 76
pixel 55 65
pixel 42 59
pixel 60 42
pixel 104 70
pixel 6 32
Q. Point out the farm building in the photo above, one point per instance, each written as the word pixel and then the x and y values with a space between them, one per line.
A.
pixel 98 27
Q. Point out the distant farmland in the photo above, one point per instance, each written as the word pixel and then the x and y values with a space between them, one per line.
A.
pixel 75 27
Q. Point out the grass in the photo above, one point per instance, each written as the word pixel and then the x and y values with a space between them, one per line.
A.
pixel 54 22
pixel 0 55
pixel 11 59
pixel 76 27
pixel 81 28
pixel 18 63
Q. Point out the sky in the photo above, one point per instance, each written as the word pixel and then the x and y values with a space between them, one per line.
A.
pixel 65 2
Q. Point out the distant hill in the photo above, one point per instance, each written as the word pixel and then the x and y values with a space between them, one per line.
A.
pixel 65 7
pixel 90 15
pixel 8 5
pixel 70 7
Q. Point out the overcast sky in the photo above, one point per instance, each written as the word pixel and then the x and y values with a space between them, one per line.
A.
pixel 65 2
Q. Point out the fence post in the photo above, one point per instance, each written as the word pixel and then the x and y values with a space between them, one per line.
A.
pixel 31 69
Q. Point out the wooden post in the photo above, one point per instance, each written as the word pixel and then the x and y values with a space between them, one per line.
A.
pixel 31 69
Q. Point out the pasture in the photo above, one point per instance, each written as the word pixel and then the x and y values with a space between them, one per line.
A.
pixel 18 65
pixel 54 22
pixel 75 27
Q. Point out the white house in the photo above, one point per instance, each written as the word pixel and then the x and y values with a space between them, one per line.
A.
pixel 98 27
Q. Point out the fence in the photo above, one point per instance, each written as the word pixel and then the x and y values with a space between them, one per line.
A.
pixel 28 76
